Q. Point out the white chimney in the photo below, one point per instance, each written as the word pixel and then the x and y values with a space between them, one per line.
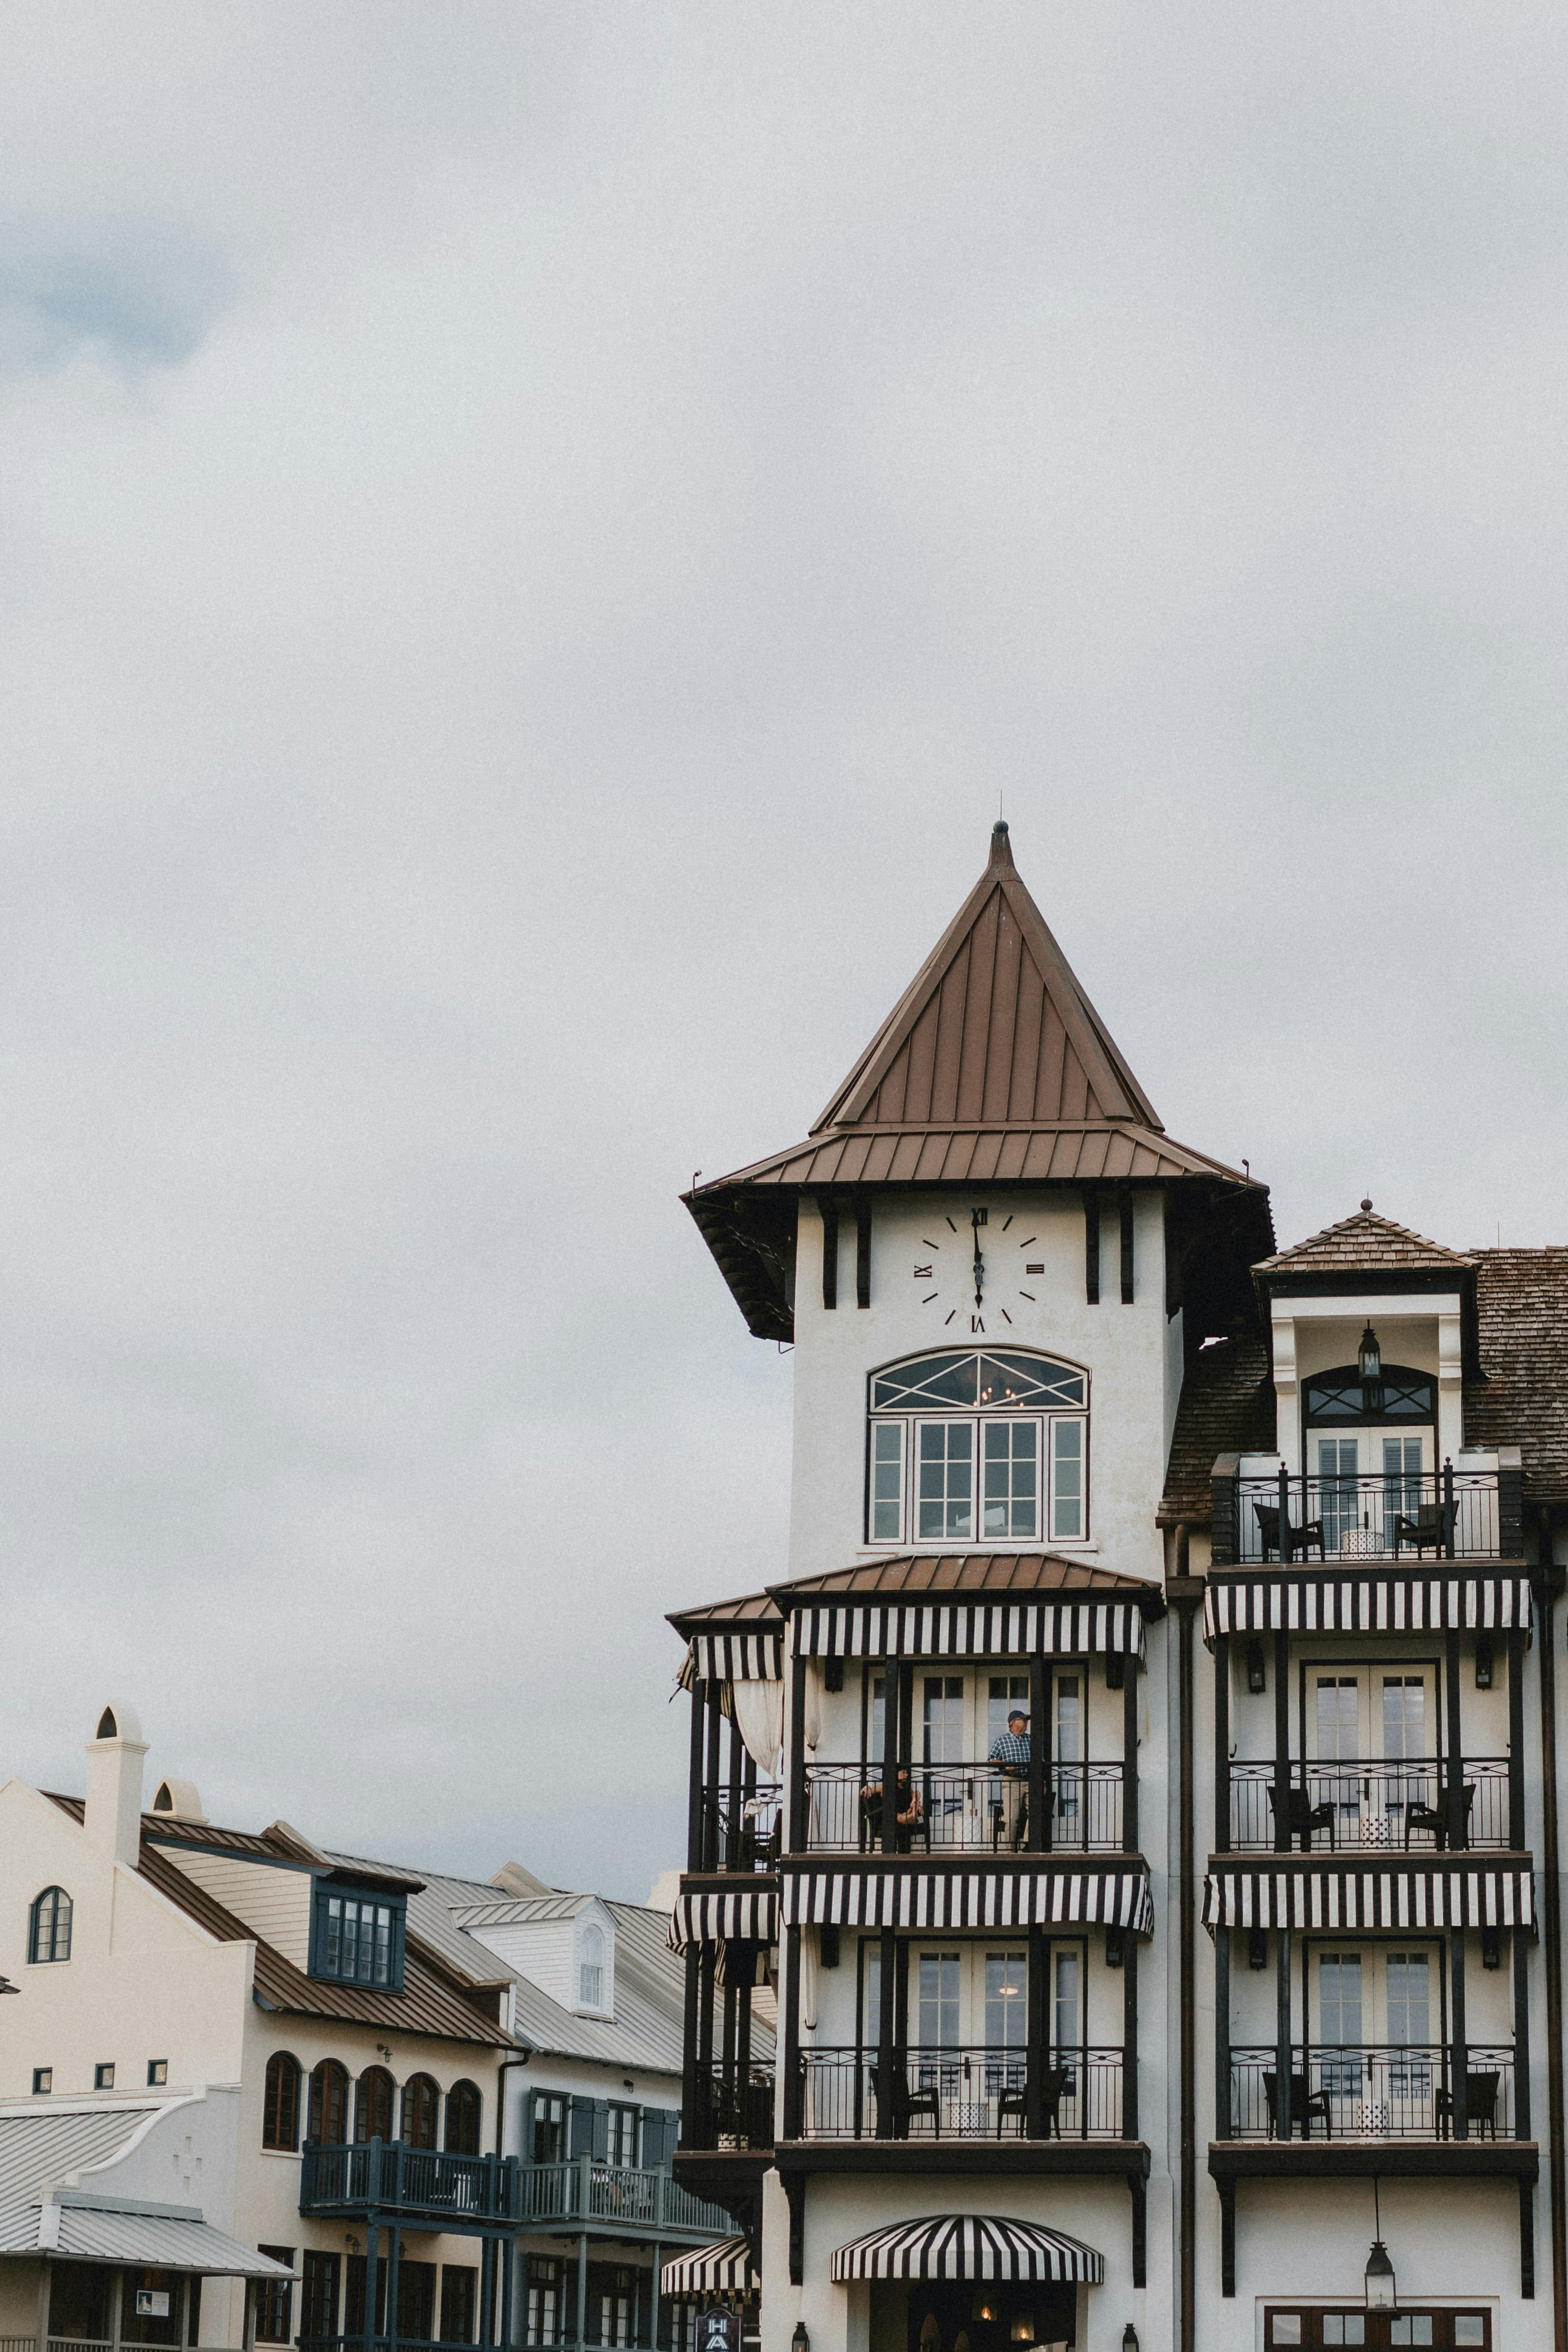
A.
pixel 114 1755
pixel 180 1800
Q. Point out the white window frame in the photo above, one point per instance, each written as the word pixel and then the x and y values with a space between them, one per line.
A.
pixel 893 1460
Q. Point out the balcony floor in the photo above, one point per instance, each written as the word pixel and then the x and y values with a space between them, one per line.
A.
pixel 1118 2157
pixel 1366 2159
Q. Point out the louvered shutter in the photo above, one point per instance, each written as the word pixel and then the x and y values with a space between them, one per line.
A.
pixel 660 2133
pixel 580 2138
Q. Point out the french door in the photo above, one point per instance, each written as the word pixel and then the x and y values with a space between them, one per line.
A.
pixel 1374 2018
pixel 1372 1745
pixel 1363 1483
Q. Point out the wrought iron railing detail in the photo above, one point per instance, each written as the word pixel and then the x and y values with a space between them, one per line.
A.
pixel 962 1809
pixel 1402 1804
pixel 1349 2091
pixel 1412 1514
pixel 962 2094
pixel 743 1833
pixel 584 2189
pixel 734 2107
pixel 395 2178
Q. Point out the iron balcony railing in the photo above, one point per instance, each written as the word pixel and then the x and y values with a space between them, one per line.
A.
pixel 584 2190
pixel 962 1809
pixel 1408 1806
pixel 733 2108
pixel 391 2177
pixel 1350 2091
pixel 962 2094
pixel 1412 1515
pixel 742 1831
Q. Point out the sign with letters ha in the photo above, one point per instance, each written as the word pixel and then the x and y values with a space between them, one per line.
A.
pixel 718 2330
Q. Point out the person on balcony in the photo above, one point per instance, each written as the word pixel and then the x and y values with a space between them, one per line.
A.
pixel 1010 1750
pixel 909 1811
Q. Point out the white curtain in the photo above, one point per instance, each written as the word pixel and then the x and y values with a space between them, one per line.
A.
pixel 813 1700
pixel 757 1710
pixel 810 1946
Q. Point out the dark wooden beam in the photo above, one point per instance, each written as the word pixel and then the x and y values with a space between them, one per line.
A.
pixel 862 1249
pixel 1092 1246
pixel 1124 1204
pixel 829 1252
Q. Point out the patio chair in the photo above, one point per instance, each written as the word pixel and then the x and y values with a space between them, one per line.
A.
pixel 1302 1818
pixel 1440 1818
pixel 909 2100
pixel 1305 2104
pixel 1297 1539
pixel 1430 1528
pixel 1481 2105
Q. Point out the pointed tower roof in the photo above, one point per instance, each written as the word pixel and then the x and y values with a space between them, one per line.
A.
pixel 994 1026
pixel 993 1067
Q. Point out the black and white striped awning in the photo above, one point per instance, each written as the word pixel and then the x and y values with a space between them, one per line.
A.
pixel 1072 1628
pixel 1364 1602
pixel 733 1658
pixel 968 2246
pixel 968 1899
pixel 1363 1895
pixel 725 2268
pixel 749 1915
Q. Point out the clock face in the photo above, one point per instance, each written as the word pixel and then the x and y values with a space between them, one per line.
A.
pixel 970 1271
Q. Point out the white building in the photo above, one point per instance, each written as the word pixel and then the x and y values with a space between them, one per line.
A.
pixel 413 2107
pixel 1046 2074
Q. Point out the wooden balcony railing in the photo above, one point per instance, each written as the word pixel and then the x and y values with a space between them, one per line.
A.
pixel 963 2093
pixel 388 2176
pixel 962 1809
pixel 1349 2091
pixel 1392 1803
pixel 585 2191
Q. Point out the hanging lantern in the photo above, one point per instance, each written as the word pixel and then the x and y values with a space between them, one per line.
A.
pixel 1370 1365
pixel 1380 2294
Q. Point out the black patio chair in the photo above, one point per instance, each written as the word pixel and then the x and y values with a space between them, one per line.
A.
pixel 1440 1818
pixel 1429 1528
pixel 1481 2105
pixel 1297 1539
pixel 1302 1818
pixel 1305 2104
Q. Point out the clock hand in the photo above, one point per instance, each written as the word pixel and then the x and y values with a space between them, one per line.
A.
pixel 978 1265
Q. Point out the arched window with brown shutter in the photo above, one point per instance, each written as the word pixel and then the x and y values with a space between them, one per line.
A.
pixel 329 2103
pixel 464 2108
pixel 281 2101
pixel 372 2104
pixel 421 2105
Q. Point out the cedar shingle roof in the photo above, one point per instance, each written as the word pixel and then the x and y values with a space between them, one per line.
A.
pixel 432 2001
pixel 1226 1406
pixel 956 1575
pixel 1365 1243
pixel 1521 1301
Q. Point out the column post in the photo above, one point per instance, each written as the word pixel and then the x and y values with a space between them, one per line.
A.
pixel 1131 1832
pixel 1222 1743
pixel 1282 2032
pixel 1222 2120
pixel 1517 1836
pixel 1282 1741
pixel 1459 2054
pixel 1455 1745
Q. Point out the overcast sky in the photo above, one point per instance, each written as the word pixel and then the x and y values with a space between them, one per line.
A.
pixel 531 541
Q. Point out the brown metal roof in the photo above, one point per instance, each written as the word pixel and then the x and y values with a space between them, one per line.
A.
pixel 994 1029
pixel 753 1613
pixel 432 2001
pixel 1521 1299
pixel 1226 1406
pixel 1100 1152
pixel 962 1572
pixel 1365 1243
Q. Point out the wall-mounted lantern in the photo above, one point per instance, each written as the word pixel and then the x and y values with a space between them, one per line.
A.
pixel 1369 1364
pixel 1257 1674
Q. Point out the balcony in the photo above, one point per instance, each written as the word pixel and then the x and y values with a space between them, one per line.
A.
pixel 740 1829
pixel 613 2200
pixel 424 2187
pixel 1383 1803
pixel 732 2109
pixel 962 2094
pixel 1358 2093
pixel 1415 1516
pixel 964 1809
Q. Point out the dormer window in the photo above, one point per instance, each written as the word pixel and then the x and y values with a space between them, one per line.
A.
pixel 974 1446
pixel 356 1937
pixel 591 1967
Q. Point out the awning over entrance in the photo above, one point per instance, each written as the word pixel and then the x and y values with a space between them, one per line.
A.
pixel 748 1916
pixel 77 2227
pixel 1364 1896
pixel 1072 1628
pixel 1370 1602
pixel 725 2268
pixel 968 1899
pixel 968 2246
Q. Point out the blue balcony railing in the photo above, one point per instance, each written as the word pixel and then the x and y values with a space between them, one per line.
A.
pixel 460 2192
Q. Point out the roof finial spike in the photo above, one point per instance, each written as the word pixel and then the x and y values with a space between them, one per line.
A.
pixel 1366 1207
pixel 1001 848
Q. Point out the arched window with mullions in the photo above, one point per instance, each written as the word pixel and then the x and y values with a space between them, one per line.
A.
pixel 464 2108
pixel 329 2103
pixel 49 1926
pixel 372 2104
pixel 281 2101
pixel 421 2108
pixel 978 1445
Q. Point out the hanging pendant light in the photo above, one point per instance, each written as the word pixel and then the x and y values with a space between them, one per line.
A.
pixel 1379 2276
pixel 1370 1366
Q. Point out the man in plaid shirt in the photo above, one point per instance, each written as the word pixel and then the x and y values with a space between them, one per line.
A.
pixel 1010 1750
